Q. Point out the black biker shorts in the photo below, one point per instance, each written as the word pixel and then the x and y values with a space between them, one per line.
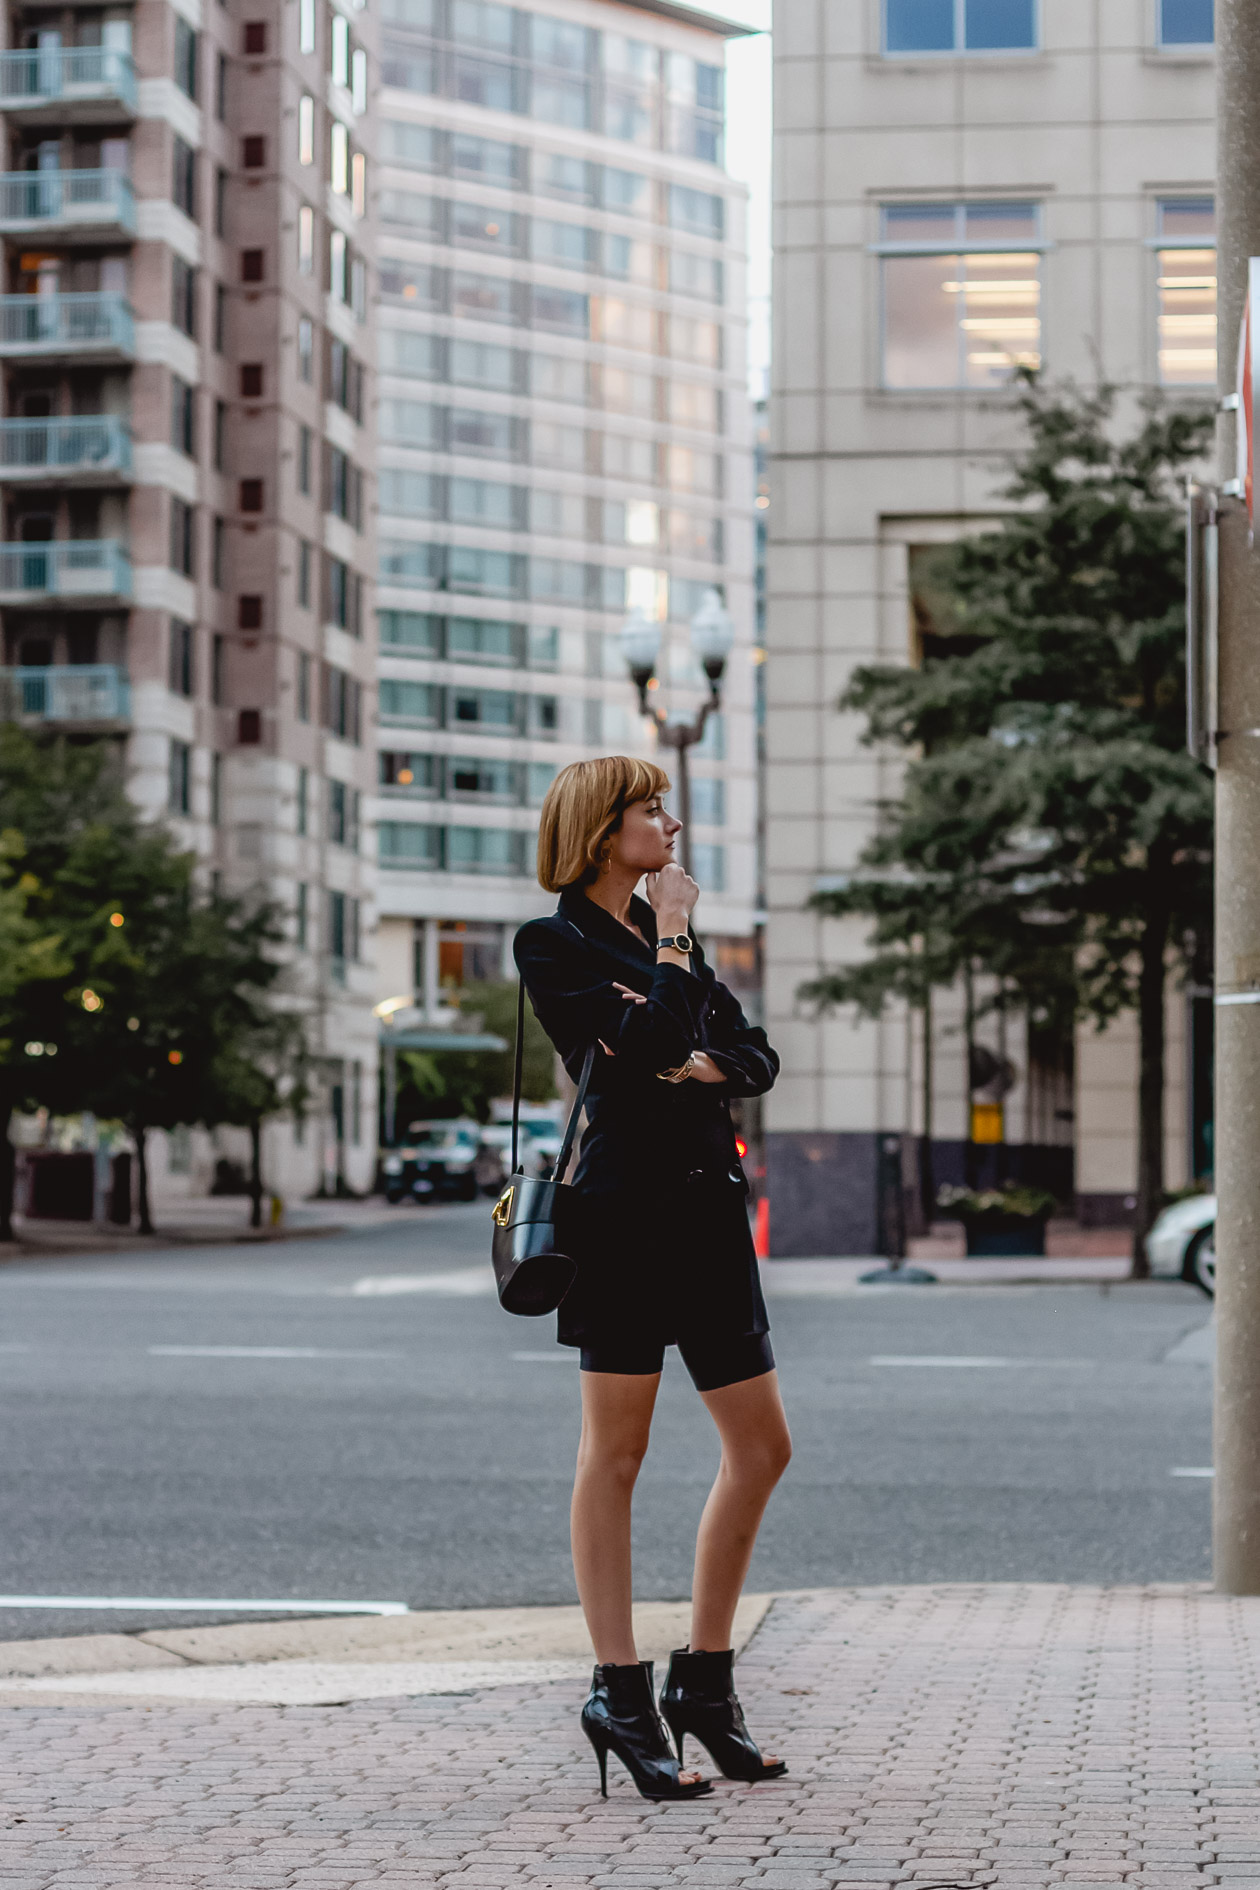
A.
pixel 712 1363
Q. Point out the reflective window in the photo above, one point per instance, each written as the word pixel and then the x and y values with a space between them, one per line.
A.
pixel 486 82
pixel 480 23
pixel 483 573
pixel 478 640
pixel 411 494
pixel 412 630
pixel 406 843
pixel 944 26
pixel 479 226
pixel 557 514
pixel 418 702
pixel 483 298
pixel 708 800
pixel 708 863
pixel 557 377
pixel 493 709
pixel 470 430
pixel 484 850
pixel 481 777
pixel 478 364
pixel 412 423
pixel 700 276
pixel 561 309
pixel 419 216
pixel 964 317
pixel 418 147
pixel 569 177
pixel 403 352
pixel 487 158
pixel 485 502
pixel 417 283
pixel 1187 291
pixel 1186 23
pixel 407 774
pixel 566 245
pixel 699 210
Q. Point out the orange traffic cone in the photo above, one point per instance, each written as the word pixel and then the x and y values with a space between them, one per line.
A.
pixel 761 1229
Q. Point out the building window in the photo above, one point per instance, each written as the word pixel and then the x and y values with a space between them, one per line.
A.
pixel 249 727
pixel 251 380
pixel 338 277
pixel 181 537
pixel 961 293
pixel 301 928
pixel 304 460
pixel 306 129
pixel 708 863
pixel 220 201
pixel 220 317
pixel 216 790
pixel 306 349
pixel 403 773
pixel 220 87
pixel 1186 23
pixel 254 39
pixel 358 82
pixel 339 151
pixel 184 178
pixel 304 574
pixel 492 850
pixel 253 153
pixel 306 240
pixel 303 801
pixel 183 296
pixel 303 687
pixel 249 612
pixel 408 844
pixel 252 265
pixel 181 671
pixel 1186 283
pixel 218 549
pixel 952 26
pixel 180 778
pixel 343 815
pixel 218 670
pixel 185 57
pixel 251 495
pixel 220 434
pixel 183 417
pixel 306 25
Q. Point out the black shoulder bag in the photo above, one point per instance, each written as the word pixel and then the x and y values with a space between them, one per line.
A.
pixel 532 1273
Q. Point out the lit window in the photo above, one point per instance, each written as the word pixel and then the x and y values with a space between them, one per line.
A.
pixel 306 129
pixel 1187 291
pixel 949 26
pixel 358 81
pixel 962 298
pixel 306 25
pixel 358 183
pixel 340 49
pixel 306 239
pixel 1186 23
pixel 339 160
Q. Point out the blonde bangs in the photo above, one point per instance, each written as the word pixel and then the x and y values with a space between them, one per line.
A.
pixel 584 805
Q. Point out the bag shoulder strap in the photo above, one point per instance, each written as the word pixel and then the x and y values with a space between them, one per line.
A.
pixel 570 1129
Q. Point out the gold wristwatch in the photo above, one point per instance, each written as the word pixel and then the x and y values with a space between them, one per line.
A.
pixel 674 942
pixel 679 1075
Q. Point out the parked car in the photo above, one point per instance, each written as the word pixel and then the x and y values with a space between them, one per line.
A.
pixel 537 1148
pixel 440 1161
pixel 1182 1243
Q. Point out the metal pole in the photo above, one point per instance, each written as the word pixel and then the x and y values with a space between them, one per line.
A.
pixel 684 799
pixel 391 1091
pixel 1236 1504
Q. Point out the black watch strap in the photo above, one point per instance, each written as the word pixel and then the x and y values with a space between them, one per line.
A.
pixel 675 942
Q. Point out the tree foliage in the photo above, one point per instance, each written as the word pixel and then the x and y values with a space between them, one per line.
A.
pixel 442 1083
pixel 1051 830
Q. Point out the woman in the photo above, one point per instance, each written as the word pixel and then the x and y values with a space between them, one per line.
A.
pixel 659 1226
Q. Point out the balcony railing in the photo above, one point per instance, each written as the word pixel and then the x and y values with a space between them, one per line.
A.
pixel 95 324
pixel 88 692
pixel 67 568
pixel 66 200
pixel 88 444
pixel 65 76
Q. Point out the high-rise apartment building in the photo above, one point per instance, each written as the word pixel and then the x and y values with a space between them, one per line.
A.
pixel 962 186
pixel 184 457
pixel 565 438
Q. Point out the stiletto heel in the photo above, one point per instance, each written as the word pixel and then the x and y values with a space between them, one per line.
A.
pixel 699 1698
pixel 620 1716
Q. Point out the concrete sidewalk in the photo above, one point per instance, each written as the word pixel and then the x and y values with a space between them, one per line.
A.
pixel 941 1736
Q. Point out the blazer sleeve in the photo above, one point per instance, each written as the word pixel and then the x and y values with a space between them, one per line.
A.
pixel 577 1004
pixel 741 1050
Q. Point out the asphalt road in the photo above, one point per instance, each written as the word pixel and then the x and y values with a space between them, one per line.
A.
pixel 423 1454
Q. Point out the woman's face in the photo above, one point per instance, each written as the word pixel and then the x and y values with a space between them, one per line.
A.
pixel 645 839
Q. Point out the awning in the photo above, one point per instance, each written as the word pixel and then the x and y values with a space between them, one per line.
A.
pixel 442 1040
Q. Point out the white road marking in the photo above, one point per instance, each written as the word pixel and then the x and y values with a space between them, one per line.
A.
pixel 306 1682
pixel 1194 1471
pixel 457 1283
pixel 258 1351
pixel 188 1604
pixel 949 1361
pixel 561 1356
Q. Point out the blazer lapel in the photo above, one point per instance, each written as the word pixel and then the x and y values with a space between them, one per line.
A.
pixel 601 929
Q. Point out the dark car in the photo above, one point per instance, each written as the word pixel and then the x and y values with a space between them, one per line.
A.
pixel 436 1161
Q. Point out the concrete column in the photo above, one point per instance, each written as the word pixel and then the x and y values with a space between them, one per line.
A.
pixel 1236 1523
pixel 432 988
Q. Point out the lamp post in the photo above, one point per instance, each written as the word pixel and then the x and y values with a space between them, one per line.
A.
pixel 712 635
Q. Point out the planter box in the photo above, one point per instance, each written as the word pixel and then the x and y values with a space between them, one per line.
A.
pixel 1006 1235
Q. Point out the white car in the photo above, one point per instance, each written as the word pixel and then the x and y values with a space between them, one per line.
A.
pixel 1182 1243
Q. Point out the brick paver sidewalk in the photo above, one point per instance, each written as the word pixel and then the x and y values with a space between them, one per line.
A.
pixel 976 1736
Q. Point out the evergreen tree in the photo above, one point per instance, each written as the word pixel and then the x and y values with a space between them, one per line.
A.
pixel 1051 831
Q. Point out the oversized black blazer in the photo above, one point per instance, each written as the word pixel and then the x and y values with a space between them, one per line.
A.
pixel 660 1220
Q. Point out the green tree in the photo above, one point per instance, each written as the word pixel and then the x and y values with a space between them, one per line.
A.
pixel 32 968
pixel 1051 830
pixel 441 1083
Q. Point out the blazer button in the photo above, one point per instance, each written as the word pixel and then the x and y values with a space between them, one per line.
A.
pixel 735 1175
pixel 697 1174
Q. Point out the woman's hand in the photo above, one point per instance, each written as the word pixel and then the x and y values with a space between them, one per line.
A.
pixel 704 1069
pixel 671 894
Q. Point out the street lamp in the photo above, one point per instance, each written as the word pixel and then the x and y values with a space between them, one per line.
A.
pixel 712 634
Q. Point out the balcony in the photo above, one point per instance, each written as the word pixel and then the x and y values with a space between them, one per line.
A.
pixel 68 84
pixel 86 450
pixel 69 571
pixel 85 328
pixel 89 692
pixel 71 206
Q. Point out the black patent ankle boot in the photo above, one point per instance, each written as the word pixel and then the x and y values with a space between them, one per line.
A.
pixel 699 1699
pixel 620 1716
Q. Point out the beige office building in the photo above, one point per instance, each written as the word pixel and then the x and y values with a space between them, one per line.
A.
pixel 184 457
pixel 565 438
pixel 961 186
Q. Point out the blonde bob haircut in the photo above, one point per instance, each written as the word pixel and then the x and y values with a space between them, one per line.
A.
pixel 584 805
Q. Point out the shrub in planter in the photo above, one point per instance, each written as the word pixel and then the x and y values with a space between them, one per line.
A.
pixel 1000 1221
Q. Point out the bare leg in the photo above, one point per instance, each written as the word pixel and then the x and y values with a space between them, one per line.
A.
pixel 616 1420
pixel 756 1449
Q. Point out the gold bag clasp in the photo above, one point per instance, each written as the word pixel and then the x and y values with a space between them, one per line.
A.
pixel 503 1207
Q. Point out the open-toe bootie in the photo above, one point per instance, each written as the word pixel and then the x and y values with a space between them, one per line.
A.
pixel 699 1699
pixel 620 1716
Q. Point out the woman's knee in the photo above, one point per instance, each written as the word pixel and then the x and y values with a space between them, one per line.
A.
pixel 760 1461
pixel 616 1460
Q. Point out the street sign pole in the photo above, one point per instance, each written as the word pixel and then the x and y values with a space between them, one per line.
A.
pixel 1236 1518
